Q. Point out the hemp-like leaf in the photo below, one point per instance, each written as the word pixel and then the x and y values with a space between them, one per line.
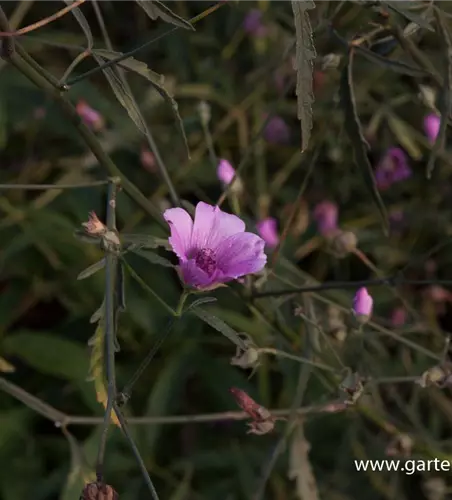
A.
pixel 359 143
pixel 305 53
pixel 446 95
pixel 82 21
pixel 155 9
pixel 89 271
pixel 155 79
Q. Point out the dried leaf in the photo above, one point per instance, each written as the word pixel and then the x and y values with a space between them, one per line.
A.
pixel 155 9
pixel 96 370
pixel 154 78
pixel 300 467
pixel 6 367
pixel 446 96
pixel 305 53
pixel 359 143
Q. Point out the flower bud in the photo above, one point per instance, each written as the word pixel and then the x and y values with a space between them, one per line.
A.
pixel 326 215
pixel 362 305
pixel 431 127
pixel 226 173
pixel 94 226
pixel 90 116
pixel 343 243
pixel 98 491
pixel 267 230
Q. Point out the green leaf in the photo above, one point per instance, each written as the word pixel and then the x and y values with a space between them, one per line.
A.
pixel 446 92
pixel 155 79
pixel 409 15
pixel 359 143
pixel 82 21
pixel 49 354
pixel 138 241
pixel 153 258
pixel 404 135
pixel 124 98
pixel 305 53
pixel 155 9
pixel 89 271
pixel 199 302
pixel 219 325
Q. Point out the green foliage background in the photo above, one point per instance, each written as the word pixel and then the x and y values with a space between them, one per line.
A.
pixel 45 311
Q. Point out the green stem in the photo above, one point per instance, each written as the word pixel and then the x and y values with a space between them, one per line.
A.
pixel 182 300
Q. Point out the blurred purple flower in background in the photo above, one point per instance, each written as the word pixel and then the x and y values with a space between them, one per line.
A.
pixel 398 317
pixel 225 171
pixel 90 116
pixel 392 168
pixel 268 231
pixel 326 215
pixel 431 126
pixel 214 248
pixel 362 304
pixel 277 131
pixel 253 24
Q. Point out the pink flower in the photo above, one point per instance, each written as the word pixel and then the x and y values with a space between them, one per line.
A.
pixel 277 131
pixel 214 248
pixel 89 115
pixel 253 25
pixel 225 171
pixel 393 167
pixel 268 231
pixel 431 126
pixel 362 304
pixel 326 215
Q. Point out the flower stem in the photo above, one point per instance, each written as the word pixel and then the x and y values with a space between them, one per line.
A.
pixel 182 300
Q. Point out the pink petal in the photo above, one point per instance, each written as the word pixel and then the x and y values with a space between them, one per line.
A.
pixel 212 226
pixel 181 226
pixel 194 276
pixel 225 171
pixel 241 254
pixel 268 231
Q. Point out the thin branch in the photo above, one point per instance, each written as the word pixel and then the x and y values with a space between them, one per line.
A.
pixel 336 285
pixel 40 187
pixel 42 22
pixel 110 334
pixel 132 52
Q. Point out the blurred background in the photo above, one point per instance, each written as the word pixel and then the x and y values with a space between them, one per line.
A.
pixel 234 82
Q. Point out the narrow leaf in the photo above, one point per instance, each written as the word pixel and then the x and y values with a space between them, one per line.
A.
pixel 96 368
pixel 359 143
pixel 82 21
pixel 153 258
pixel 404 135
pixel 155 79
pixel 305 53
pixel 122 95
pixel 446 93
pixel 144 241
pixel 89 271
pixel 219 325
pixel 409 15
pixel 199 302
pixel 155 9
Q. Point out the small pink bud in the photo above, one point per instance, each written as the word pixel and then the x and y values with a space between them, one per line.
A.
pixel 362 305
pixel 225 171
pixel 148 160
pixel 268 231
pixel 90 116
pixel 326 215
pixel 431 126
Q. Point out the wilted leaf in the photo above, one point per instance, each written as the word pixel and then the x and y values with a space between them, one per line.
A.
pixel 154 78
pixel 48 354
pixel 96 367
pixel 446 92
pixel 300 467
pixel 89 271
pixel 408 14
pixel 82 21
pixel 155 9
pixel 305 53
pixel 220 326
pixel 359 143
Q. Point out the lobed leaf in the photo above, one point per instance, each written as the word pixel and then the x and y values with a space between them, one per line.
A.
pixel 219 325
pixel 155 9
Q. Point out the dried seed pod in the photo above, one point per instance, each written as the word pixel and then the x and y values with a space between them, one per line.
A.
pixel 98 491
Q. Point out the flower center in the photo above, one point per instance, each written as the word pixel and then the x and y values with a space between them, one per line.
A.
pixel 205 260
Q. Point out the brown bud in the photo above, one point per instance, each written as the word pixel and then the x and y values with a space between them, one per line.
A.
pixel 343 243
pixel 94 226
pixel 98 491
